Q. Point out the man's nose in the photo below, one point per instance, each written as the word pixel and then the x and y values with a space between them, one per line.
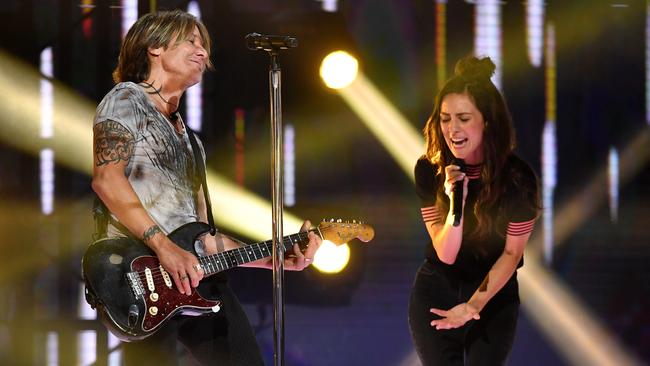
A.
pixel 201 52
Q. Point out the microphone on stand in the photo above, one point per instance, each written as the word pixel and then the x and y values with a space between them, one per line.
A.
pixel 457 193
pixel 256 41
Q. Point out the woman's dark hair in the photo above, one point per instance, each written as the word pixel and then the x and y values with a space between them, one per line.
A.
pixel 472 77
pixel 155 30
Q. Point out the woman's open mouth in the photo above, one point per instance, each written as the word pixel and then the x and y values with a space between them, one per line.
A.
pixel 458 142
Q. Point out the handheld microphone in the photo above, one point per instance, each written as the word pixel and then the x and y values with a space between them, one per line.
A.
pixel 256 41
pixel 458 194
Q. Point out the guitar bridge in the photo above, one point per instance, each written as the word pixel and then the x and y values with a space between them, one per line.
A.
pixel 134 282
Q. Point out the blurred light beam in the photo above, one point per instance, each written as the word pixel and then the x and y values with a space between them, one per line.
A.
pixel 569 325
pixel 402 141
pixel 243 211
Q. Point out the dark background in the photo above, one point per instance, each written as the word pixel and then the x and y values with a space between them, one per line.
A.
pixel 357 317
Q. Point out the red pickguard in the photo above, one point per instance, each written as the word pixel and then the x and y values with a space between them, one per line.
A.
pixel 170 301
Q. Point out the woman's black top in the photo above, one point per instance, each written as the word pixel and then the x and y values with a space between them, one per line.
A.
pixel 513 213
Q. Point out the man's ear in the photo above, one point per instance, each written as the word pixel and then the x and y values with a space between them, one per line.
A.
pixel 155 51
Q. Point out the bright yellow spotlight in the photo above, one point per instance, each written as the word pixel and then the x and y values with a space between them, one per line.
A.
pixel 331 258
pixel 339 69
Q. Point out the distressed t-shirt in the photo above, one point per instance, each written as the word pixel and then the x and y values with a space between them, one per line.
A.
pixel 161 169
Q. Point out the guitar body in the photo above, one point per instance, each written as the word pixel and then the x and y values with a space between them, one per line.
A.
pixel 133 296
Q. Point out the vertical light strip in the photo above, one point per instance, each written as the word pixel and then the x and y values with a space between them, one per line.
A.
pixel 612 170
pixel 47 181
pixel 647 64
pixel 549 161
pixel 329 6
pixel 549 146
pixel 52 349
pixel 115 355
pixel 47 94
pixel 487 36
pixel 441 42
pixel 240 135
pixel 87 24
pixel 84 311
pixel 535 31
pixel 194 99
pixel 86 347
pixel 47 132
pixel 289 165
pixel 129 15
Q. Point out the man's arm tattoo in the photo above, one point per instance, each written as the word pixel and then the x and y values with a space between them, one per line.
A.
pixel 113 143
pixel 149 233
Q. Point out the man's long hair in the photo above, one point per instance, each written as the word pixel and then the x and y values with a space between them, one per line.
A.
pixel 154 30
pixel 472 76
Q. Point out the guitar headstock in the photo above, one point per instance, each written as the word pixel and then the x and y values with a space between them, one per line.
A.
pixel 340 232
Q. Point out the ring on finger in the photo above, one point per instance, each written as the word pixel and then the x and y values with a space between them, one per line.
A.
pixel 197 267
pixel 183 277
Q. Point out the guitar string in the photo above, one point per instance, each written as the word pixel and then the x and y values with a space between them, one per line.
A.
pixel 157 274
pixel 228 259
pixel 158 278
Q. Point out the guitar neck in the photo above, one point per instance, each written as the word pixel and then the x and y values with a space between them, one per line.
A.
pixel 236 257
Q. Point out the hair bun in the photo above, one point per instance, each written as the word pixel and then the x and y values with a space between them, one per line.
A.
pixel 475 68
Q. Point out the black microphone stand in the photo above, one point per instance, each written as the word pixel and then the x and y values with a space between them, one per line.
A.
pixel 275 77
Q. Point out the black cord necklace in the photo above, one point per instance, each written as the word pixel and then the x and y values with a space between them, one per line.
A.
pixel 173 116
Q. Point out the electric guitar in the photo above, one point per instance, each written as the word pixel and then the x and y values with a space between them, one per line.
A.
pixel 134 295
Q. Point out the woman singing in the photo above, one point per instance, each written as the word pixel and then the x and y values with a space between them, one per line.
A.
pixel 464 301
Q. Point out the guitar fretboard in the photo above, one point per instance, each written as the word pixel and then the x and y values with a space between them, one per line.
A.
pixel 235 257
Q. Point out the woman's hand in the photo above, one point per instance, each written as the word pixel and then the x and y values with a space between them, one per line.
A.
pixel 453 175
pixel 299 261
pixel 455 317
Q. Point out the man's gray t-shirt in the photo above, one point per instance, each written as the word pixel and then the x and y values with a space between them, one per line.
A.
pixel 161 169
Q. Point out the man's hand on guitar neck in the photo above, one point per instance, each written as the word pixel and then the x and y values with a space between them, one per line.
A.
pixel 298 260
pixel 293 261
pixel 182 266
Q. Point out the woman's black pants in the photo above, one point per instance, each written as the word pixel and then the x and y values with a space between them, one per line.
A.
pixel 486 341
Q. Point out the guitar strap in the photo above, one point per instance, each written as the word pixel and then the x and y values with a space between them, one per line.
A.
pixel 200 167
